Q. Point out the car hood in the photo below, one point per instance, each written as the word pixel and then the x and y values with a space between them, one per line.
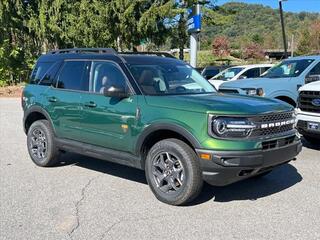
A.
pixel 246 83
pixel 219 103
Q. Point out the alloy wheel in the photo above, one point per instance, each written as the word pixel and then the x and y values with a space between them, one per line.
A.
pixel 168 172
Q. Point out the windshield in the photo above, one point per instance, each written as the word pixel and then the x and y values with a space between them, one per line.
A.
pixel 288 68
pixel 228 73
pixel 163 79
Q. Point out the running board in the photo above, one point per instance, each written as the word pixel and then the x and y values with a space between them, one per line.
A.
pixel 102 153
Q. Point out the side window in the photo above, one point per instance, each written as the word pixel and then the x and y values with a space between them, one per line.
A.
pixel 71 74
pixel 252 73
pixel 263 70
pixel 39 71
pixel 104 75
pixel 49 78
pixel 315 70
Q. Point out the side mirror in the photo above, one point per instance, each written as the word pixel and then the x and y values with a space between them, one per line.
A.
pixel 242 77
pixel 117 92
pixel 311 78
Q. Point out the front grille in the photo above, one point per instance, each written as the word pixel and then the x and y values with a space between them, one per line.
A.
pixel 228 91
pixel 271 131
pixel 305 101
pixel 277 143
pixel 272 124
pixel 302 125
pixel 274 117
pixel 311 78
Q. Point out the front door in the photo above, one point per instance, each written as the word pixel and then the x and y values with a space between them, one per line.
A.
pixel 108 121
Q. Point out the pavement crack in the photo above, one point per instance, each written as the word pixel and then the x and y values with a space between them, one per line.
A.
pixel 129 220
pixel 77 205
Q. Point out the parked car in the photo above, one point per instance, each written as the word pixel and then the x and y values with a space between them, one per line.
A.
pixel 239 72
pixel 211 71
pixel 139 110
pixel 308 112
pixel 281 82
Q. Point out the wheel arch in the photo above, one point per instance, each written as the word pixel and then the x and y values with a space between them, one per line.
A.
pixel 33 114
pixel 158 132
pixel 287 99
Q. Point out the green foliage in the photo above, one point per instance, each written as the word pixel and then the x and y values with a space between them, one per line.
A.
pixel 247 23
pixel 30 28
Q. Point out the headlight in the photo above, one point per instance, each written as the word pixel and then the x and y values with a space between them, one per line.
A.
pixel 254 91
pixel 231 127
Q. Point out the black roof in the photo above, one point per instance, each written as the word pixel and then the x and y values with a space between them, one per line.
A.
pixel 147 59
pixel 56 57
pixel 108 54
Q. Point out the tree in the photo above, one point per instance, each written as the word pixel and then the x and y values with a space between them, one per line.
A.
pixel 309 41
pixel 253 51
pixel 221 46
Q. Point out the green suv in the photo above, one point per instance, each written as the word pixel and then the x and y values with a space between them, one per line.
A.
pixel 153 113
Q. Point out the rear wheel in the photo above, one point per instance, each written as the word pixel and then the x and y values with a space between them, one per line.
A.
pixel 173 172
pixel 41 145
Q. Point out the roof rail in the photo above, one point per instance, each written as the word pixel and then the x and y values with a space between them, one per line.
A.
pixel 84 50
pixel 159 54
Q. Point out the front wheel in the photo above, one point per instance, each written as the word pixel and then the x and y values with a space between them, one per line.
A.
pixel 173 172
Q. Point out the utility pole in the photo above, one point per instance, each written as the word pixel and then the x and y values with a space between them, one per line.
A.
pixel 292 45
pixel 283 29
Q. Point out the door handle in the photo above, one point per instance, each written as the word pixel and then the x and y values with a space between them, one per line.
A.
pixel 90 104
pixel 52 99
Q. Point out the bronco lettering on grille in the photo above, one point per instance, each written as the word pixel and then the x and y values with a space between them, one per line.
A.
pixel 277 124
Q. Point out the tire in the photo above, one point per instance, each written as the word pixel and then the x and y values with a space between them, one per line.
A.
pixel 262 174
pixel 312 140
pixel 41 145
pixel 173 172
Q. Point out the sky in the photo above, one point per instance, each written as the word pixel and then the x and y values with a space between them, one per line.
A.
pixel 289 5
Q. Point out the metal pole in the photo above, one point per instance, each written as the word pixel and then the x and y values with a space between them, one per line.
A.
pixel 193 50
pixel 292 45
pixel 283 30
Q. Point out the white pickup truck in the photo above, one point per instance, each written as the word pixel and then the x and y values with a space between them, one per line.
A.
pixel 308 112
pixel 281 81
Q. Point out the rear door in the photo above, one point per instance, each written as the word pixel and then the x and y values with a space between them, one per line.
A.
pixel 108 121
pixel 62 101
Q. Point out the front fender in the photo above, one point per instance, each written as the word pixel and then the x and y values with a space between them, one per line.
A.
pixel 165 126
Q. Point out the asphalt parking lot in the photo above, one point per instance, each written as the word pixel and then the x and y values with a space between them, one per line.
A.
pixel 85 198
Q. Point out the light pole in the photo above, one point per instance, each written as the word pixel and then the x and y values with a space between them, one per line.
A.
pixel 194 28
pixel 283 30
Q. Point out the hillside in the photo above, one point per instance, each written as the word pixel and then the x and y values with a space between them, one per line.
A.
pixel 258 23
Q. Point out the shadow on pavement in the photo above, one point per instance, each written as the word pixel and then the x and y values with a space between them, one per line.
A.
pixel 113 169
pixel 309 145
pixel 279 179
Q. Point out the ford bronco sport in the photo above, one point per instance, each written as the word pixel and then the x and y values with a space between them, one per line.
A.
pixel 153 113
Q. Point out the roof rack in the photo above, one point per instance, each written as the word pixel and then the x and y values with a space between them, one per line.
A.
pixel 84 50
pixel 159 54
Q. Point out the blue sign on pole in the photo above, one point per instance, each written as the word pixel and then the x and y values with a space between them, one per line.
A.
pixel 194 20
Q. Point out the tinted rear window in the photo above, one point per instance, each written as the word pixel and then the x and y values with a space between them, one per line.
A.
pixel 70 76
pixel 39 71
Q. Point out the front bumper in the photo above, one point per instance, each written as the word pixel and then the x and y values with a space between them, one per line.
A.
pixel 302 124
pixel 226 167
